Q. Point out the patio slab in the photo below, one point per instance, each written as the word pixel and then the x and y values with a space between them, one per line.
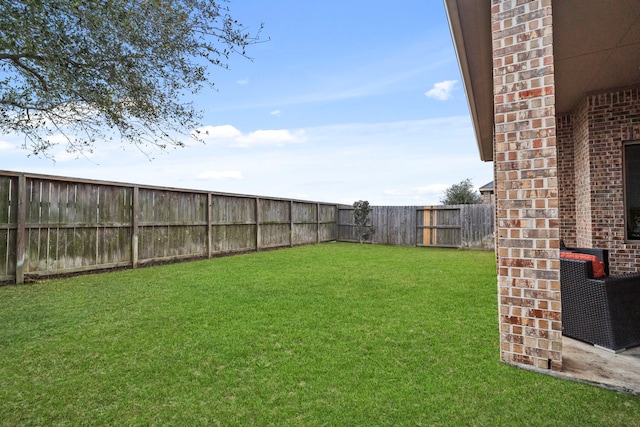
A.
pixel 616 371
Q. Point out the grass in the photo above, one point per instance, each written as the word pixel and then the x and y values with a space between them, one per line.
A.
pixel 328 335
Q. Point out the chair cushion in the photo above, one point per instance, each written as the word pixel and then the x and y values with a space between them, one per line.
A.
pixel 596 264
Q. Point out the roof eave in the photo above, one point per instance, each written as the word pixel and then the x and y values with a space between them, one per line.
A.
pixel 473 49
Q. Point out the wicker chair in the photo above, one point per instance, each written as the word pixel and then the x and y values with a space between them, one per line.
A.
pixel 604 312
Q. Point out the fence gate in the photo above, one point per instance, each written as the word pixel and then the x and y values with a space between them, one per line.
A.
pixel 439 226
pixel 455 226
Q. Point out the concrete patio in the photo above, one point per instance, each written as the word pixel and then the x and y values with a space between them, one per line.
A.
pixel 585 363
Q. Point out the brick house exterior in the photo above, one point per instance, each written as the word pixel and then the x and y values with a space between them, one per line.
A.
pixel 486 191
pixel 590 161
pixel 554 93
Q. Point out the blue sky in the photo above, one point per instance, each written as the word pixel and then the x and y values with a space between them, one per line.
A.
pixel 348 100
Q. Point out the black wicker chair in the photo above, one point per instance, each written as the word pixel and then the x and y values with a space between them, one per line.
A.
pixel 604 312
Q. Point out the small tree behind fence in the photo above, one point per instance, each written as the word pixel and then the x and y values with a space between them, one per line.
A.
pixel 361 211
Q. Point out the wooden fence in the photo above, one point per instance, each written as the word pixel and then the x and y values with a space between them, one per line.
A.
pixel 395 225
pixel 459 226
pixel 55 225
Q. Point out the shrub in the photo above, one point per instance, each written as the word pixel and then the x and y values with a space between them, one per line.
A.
pixel 361 211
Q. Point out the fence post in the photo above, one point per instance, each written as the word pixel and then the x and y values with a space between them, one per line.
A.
pixel 336 218
pixel 257 224
pixel 21 231
pixel 134 227
pixel 209 225
pixel 463 213
pixel 317 222
pixel 291 223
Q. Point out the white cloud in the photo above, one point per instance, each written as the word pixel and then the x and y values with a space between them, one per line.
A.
pixel 6 146
pixel 442 90
pixel 244 81
pixel 220 175
pixel 219 132
pixel 276 113
pixel 270 137
pixel 235 138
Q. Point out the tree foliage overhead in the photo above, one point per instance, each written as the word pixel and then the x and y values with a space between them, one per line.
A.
pixel 89 69
pixel 361 211
pixel 462 193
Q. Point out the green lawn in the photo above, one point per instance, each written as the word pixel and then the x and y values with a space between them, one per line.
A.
pixel 329 335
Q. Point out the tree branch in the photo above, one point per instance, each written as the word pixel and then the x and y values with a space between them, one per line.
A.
pixel 19 56
pixel 16 60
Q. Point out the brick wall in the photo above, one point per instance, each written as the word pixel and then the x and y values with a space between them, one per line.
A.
pixel 599 125
pixel 525 165
pixel 582 175
pixel 607 115
pixel 566 180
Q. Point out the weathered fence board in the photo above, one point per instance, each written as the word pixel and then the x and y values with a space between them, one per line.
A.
pixel 233 238
pixel 327 223
pixel 71 226
pixel 395 225
pixel 478 227
pixel 171 225
pixel 8 226
pixel 304 222
pixel 233 224
pixel 275 223
pixel 54 225
pixel 346 226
